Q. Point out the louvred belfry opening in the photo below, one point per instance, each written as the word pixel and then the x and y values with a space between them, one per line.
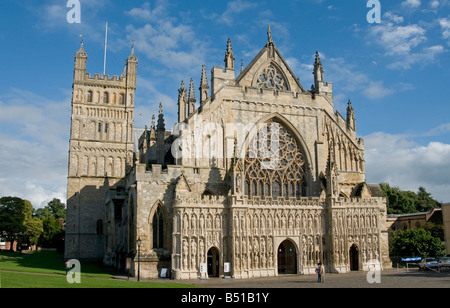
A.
pixel 274 163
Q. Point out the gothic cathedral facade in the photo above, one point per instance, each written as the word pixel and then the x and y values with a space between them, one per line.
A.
pixel 261 177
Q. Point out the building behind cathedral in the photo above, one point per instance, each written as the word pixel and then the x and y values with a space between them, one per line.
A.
pixel 258 172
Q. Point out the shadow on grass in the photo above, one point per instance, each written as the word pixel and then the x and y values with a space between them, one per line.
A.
pixel 46 262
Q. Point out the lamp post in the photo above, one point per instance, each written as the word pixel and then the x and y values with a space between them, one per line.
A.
pixel 138 242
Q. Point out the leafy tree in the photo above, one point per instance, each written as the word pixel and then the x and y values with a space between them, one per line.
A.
pixel 34 229
pixel 14 214
pixel 398 202
pixel 424 201
pixel 436 230
pixel 52 233
pixel 417 243
pixel 57 209
pixel 54 208
pixel 404 202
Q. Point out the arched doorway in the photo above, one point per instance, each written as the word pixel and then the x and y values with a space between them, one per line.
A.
pixel 354 258
pixel 287 258
pixel 213 262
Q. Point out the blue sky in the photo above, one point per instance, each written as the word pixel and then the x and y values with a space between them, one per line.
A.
pixel 396 73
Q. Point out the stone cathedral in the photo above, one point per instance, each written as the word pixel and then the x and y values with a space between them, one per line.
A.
pixel 259 176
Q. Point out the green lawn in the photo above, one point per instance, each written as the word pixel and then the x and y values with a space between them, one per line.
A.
pixel 45 269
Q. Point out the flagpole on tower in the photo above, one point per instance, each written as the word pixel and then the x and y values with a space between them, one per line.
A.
pixel 106 44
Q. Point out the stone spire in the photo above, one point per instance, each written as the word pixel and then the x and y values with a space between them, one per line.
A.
pixel 161 126
pixel 351 120
pixel 269 36
pixel 191 99
pixel 318 71
pixel 204 87
pixel 229 57
pixel 80 63
pixel 160 137
pixel 270 43
pixel 182 102
pixel 153 130
pixel 132 61
pixel 132 56
pixel 81 52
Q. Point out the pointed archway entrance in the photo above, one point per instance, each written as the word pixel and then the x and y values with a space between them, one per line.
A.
pixel 287 258
pixel 354 258
pixel 213 262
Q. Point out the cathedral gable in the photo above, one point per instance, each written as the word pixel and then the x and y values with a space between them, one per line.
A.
pixel 269 70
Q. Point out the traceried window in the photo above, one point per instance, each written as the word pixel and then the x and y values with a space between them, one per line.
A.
pixel 106 98
pixel 158 229
pixel 271 78
pixel 89 97
pixel 274 164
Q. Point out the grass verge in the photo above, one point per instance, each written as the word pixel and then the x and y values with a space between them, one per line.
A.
pixel 45 269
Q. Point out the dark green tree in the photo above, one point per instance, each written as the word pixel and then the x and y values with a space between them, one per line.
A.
pixel 54 208
pixel 404 202
pixel 425 202
pixel 14 215
pixel 417 243
pixel 52 233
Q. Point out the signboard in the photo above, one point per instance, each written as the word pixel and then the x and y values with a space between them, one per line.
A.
pixel 226 267
pixel 203 268
pixel 164 273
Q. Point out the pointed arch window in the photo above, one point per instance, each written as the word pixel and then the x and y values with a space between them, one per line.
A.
pixel 271 78
pixel 275 161
pixel 106 98
pixel 158 229
pixel 99 227
pixel 89 97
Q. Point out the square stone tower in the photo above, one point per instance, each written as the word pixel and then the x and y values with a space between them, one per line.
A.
pixel 100 151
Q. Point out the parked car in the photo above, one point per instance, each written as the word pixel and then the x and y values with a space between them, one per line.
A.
pixel 444 261
pixel 428 263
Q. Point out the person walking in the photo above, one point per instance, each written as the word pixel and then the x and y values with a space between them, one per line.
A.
pixel 320 270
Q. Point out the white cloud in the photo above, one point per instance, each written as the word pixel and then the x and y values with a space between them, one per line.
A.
pixel 234 8
pixel 434 4
pixel 145 13
pixel 34 134
pixel 52 17
pixel 165 40
pixel 411 4
pixel 348 78
pixel 445 27
pixel 427 55
pixel 401 162
pixel 398 40
pixel 376 90
pixel 404 44
pixel 392 17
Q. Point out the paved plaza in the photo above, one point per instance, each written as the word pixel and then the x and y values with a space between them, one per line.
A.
pixel 392 278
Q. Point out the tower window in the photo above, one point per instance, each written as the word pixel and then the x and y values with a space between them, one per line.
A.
pixel 122 99
pixel 89 97
pixel 106 98
pixel 158 229
pixel 106 127
pixel 99 227
pixel 99 127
